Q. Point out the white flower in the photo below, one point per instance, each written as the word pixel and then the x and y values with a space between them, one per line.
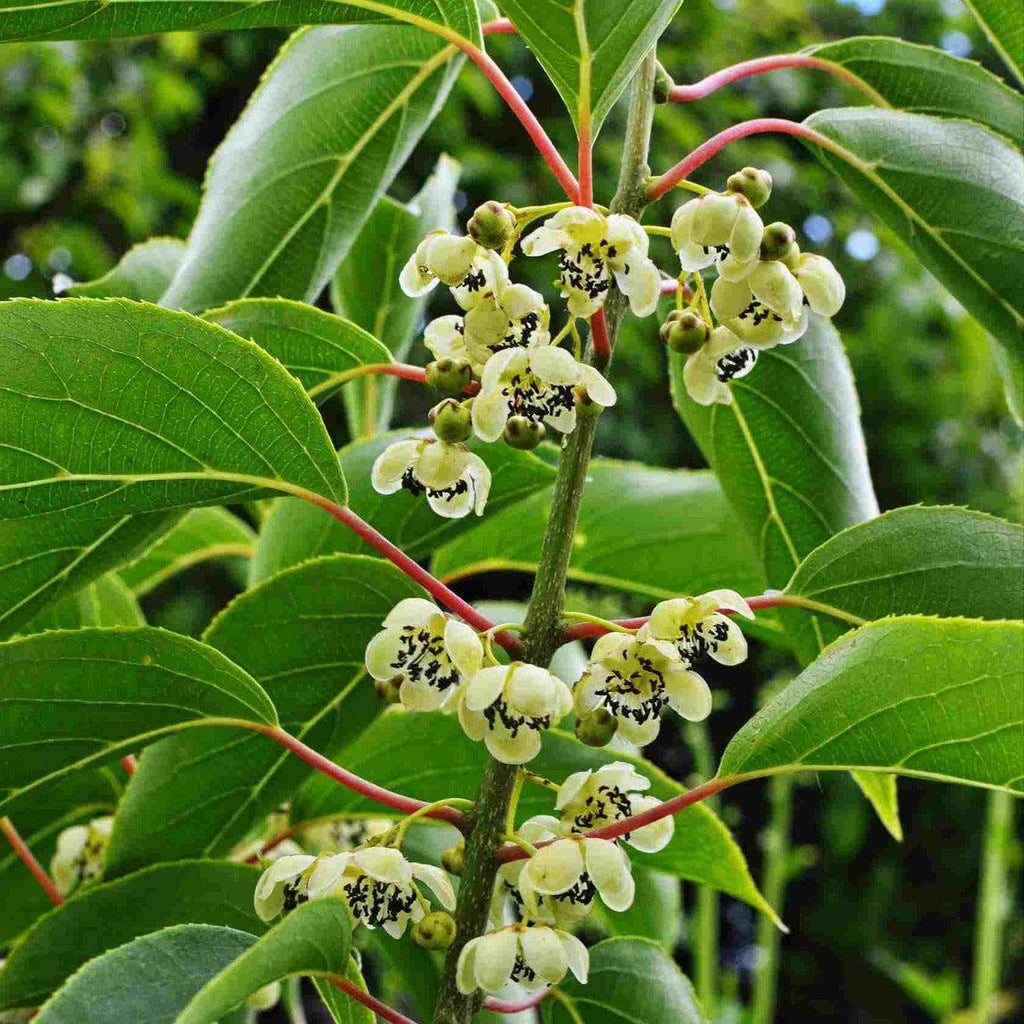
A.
pixel 79 854
pixel 591 799
pixel 722 358
pixel 596 248
pixel 509 706
pixel 379 886
pixel 283 886
pixel 431 652
pixel 466 267
pixel 343 834
pixel 537 383
pixel 695 627
pixel 722 229
pixel 764 309
pixel 531 955
pixel 455 480
pixel 633 678
pixel 822 284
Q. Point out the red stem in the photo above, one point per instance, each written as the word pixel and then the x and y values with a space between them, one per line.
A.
pixel 29 860
pixel 748 68
pixel 512 851
pixel 382 1010
pixel 270 844
pixel 405 804
pixel 707 150
pixel 415 571
pixel 499 27
pixel 502 1006
pixel 129 764
pixel 599 339
pixel 669 286
pixel 586 166
pixel 544 145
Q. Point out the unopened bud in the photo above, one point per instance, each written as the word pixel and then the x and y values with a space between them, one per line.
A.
pixel 449 376
pixel 451 421
pixel 663 84
pixel 777 241
pixel 389 690
pixel 523 433
pixel 684 331
pixel 752 182
pixel 597 728
pixel 491 225
pixel 453 858
pixel 435 931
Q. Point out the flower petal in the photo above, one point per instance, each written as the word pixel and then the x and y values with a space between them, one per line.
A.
pixel 733 649
pixel 486 687
pixel 688 694
pixel 640 282
pixel 464 647
pixel 384 863
pixel 731 600
pixel 577 958
pixel 412 611
pixel 438 882
pixel 465 972
pixel 608 867
pixel 495 957
pixel 554 869
pixel 654 837
pixel 391 464
pixel 490 413
pixel 413 281
pixel 598 388
pixel 572 785
pixel 544 952
pixel 543 240
pixel 729 298
pixel 774 285
pixel 523 747
pixel 530 690
pixel 382 653
pixel 554 365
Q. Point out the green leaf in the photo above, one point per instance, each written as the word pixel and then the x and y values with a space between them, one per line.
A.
pixel 656 913
pixel 630 980
pixel 104 602
pixel 1002 23
pixel 292 535
pixel 933 698
pixel 143 272
pixel 79 699
pixel 932 561
pixel 312 344
pixel 112 408
pixel 647 531
pixel 313 939
pixel 166 969
pixel 1010 367
pixel 200 535
pixel 336 116
pixel 81 798
pixel 365 287
pixel 105 915
pixel 953 190
pixel 429 757
pixel 343 1008
pixel 111 19
pixel 924 80
pixel 590 48
pixel 301 635
pixel 884 797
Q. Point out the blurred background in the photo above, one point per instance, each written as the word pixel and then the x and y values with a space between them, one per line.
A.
pixel 103 145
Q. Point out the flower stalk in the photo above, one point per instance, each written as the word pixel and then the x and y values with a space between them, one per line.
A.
pixel 28 858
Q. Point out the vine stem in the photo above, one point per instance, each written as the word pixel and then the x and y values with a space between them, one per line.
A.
pixel 415 571
pixel 704 152
pixel 405 804
pixel 760 65
pixel 543 625
pixel 29 860
pixel 406 371
pixel 382 1010
pixel 499 27
pixel 129 763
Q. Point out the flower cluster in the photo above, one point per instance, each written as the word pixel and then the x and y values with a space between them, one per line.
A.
pixel 762 294
pixel 78 858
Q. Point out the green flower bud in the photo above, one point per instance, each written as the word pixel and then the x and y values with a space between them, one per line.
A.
pixel 684 331
pixel 453 858
pixel 597 728
pixel 435 931
pixel 777 241
pixel 451 421
pixel 752 182
pixel 662 84
pixel 522 433
pixel 388 689
pixel 491 225
pixel 449 376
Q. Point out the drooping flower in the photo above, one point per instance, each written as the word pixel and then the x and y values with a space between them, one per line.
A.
pixel 823 285
pixel 343 834
pixel 283 886
pixel 380 887
pixel 722 229
pixel 455 481
pixel 633 678
pixel 695 627
pixel 537 384
pixel 722 358
pixel 461 263
pixel 763 309
pixel 79 855
pixel 591 799
pixel 594 250
pixel 430 652
pixel 509 706
pixel 531 955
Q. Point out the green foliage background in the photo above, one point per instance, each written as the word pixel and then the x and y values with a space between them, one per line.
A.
pixel 104 144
